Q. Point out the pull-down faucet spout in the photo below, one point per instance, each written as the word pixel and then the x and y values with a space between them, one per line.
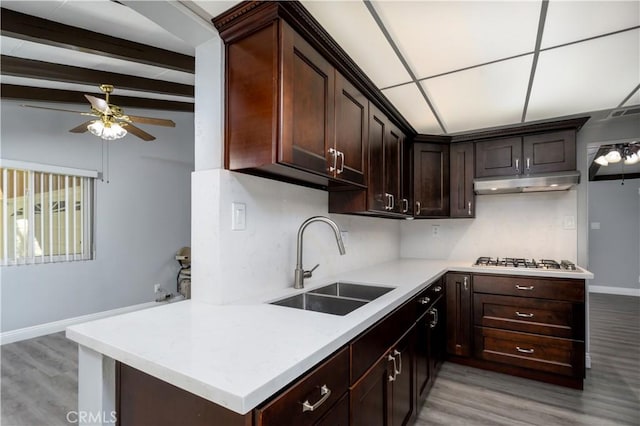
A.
pixel 300 273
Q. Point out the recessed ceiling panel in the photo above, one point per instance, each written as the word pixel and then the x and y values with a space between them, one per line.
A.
pixel 589 76
pixel 352 26
pixel 104 17
pixel 440 36
pixel 486 96
pixel 411 104
pixel 569 21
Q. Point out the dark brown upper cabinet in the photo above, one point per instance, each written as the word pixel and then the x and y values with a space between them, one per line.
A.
pixel 289 113
pixel 297 107
pixel 431 180
pixel 529 154
pixel 461 173
pixel 383 195
pixel 352 118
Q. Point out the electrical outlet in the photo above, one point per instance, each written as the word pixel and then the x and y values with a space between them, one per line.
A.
pixel 435 231
pixel 156 288
pixel 569 222
pixel 238 216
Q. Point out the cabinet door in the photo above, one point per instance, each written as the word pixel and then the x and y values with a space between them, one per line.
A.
pixel 377 201
pixel 307 121
pixel 338 415
pixel 463 199
pixel 402 396
pixel 369 397
pixel 352 115
pixel 423 364
pixel 392 164
pixel 549 152
pixel 458 294
pixel 499 157
pixel 438 340
pixel 431 179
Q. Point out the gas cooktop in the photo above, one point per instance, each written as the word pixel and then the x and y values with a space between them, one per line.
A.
pixel 518 262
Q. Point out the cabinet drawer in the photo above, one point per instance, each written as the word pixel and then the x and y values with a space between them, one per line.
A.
pixel 549 354
pixel 287 408
pixel 428 297
pixel 540 316
pixel 540 288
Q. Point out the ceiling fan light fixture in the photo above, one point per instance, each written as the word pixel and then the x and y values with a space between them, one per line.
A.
pixel 613 156
pixel 631 159
pixel 106 130
pixel 601 161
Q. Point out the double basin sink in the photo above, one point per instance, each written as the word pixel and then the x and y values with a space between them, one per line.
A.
pixel 338 298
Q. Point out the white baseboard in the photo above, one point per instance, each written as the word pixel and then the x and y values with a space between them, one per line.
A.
pixel 58 326
pixel 621 291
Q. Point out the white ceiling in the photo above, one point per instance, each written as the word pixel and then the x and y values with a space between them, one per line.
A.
pixel 447 66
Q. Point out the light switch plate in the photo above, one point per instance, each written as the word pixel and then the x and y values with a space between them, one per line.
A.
pixel 595 225
pixel 238 216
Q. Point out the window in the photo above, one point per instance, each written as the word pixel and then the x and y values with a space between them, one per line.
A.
pixel 46 213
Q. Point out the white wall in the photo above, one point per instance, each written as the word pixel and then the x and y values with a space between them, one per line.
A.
pixel 142 215
pixel 614 249
pixel 263 257
pixel 507 225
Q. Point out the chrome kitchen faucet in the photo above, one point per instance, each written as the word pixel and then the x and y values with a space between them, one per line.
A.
pixel 300 273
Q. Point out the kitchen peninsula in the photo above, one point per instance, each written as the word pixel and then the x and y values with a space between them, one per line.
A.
pixel 238 356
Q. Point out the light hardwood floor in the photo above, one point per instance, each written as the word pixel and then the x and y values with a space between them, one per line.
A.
pixel 39 382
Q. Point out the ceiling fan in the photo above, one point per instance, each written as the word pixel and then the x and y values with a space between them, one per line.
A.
pixel 110 121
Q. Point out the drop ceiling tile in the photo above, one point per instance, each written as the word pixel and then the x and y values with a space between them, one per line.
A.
pixel 441 36
pixel 589 76
pixel 486 96
pixel 569 21
pixel 8 45
pixel 411 104
pixel 353 28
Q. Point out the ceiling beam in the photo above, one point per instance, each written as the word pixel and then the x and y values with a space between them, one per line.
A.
pixel 26 27
pixel 27 93
pixel 29 68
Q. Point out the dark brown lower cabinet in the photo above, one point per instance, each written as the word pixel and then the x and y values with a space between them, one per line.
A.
pixel 430 347
pixel 459 314
pixel 384 394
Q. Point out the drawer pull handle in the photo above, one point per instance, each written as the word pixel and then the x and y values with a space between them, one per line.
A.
pixel 437 289
pixel 334 155
pixel 325 393
pixel 424 300
pixel 395 368
pixel 466 283
pixel 524 351
pixel 521 315
pixel 524 287
pixel 399 355
pixel 434 322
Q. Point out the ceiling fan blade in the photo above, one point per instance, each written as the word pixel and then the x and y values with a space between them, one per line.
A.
pixel 151 120
pixel 58 109
pixel 139 132
pixel 99 104
pixel 81 128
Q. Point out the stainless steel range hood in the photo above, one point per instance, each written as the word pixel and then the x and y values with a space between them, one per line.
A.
pixel 558 181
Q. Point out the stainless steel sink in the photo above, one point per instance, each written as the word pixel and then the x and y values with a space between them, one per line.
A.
pixel 337 298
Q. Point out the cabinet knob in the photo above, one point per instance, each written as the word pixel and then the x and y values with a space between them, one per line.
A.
pixel 517 165
pixel 418 207
pixel 392 377
pixel 437 289
pixel 465 283
pixel 424 300
pixel 405 205
pixel 469 208
pixel 341 155
pixel 528 164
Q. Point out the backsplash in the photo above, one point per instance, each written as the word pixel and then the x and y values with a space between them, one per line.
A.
pixel 521 225
pixel 231 265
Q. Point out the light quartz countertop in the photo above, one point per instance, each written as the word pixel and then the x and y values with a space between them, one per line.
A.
pixel 238 355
